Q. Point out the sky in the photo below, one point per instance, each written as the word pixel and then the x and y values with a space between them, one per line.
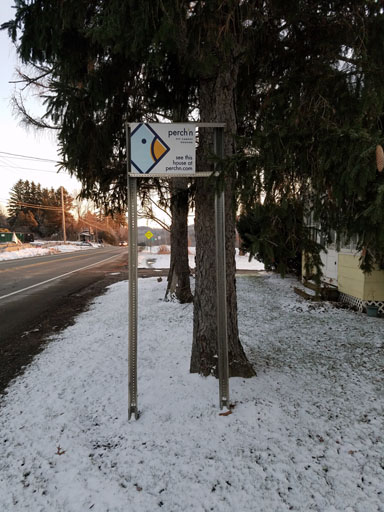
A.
pixel 16 139
pixel 19 140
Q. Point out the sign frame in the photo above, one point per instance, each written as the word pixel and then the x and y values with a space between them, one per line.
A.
pixel 221 294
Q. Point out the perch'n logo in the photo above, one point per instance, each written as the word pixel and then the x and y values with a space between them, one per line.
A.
pixel 147 148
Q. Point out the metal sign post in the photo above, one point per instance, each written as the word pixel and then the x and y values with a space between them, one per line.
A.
pixel 132 312
pixel 132 351
pixel 221 282
pixel 155 145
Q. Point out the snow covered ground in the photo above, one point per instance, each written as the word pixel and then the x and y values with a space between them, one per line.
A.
pixel 43 251
pixel 306 434
pixel 153 259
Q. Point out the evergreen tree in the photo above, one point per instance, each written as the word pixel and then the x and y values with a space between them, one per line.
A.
pixel 215 34
pixel 37 198
pixel 95 74
pixel 102 65
pixel 20 223
pixel 301 81
pixel 30 221
pixel 16 197
pixel 46 220
pixel 315 121
pixel 25 222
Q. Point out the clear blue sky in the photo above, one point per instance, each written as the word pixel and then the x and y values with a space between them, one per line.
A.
pixel 14 138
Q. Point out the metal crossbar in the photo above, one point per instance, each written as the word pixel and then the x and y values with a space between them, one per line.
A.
pixel 203 174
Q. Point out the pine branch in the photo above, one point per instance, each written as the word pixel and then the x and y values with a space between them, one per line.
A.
pixel 31 80
pixel 27 119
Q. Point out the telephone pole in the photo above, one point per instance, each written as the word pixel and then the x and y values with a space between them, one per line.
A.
pixel 63 214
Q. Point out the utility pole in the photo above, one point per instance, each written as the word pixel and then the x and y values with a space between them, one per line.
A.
pixel 63 214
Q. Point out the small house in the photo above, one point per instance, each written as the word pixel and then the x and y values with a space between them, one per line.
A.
pixel 86 236
pixel 341 271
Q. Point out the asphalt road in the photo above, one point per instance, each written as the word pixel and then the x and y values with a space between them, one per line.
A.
pixel 31 286
pixel 39 295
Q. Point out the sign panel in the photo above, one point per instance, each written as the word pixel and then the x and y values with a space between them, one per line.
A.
pixel 163 148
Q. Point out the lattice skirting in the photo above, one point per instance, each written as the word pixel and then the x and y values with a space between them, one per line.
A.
pixel 360 304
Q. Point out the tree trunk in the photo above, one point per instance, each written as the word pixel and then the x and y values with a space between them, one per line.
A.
pixel 216 105
pixel 178 276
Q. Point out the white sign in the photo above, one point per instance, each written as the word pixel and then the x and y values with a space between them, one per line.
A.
pixel 163 148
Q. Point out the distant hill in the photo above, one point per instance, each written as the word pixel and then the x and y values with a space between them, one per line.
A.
pixel 161 236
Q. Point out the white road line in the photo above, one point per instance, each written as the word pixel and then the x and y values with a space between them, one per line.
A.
pixel 54 278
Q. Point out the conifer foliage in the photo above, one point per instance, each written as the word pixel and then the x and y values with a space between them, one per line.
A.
pixel 298 84
pixel 314 126
pixel 102 63
pixel 38 210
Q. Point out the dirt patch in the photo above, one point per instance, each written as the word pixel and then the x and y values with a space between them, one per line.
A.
pixel 19 351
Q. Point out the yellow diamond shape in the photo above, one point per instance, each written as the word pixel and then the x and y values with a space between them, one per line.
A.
pixel 149 235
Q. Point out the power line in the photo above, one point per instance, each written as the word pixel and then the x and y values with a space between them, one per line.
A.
pixel 38 206
pixel 14 168
pixel 29 157
pixel 17 156
pixel 5 163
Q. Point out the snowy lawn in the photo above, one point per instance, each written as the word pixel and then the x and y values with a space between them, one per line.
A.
pixel 154 259
pixel 306 434
pixel 43 251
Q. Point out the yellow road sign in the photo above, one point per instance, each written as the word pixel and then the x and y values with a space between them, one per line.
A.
pixel 149 235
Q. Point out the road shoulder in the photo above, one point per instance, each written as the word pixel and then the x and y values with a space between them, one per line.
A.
pixel 19 350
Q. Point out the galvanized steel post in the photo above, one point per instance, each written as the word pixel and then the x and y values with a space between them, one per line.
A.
pixel 221 282
pixel 132 306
